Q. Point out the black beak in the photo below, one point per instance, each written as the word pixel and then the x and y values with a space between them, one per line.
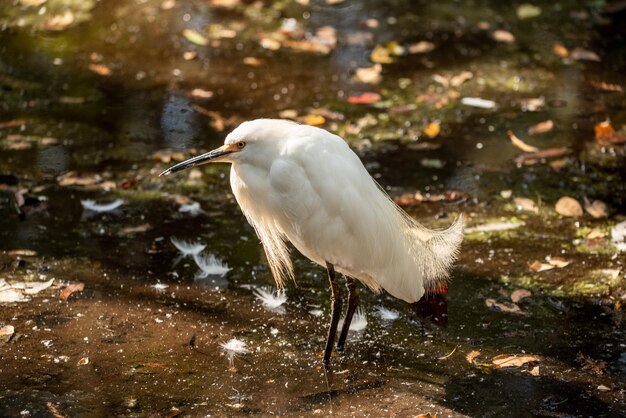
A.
pixel 199 160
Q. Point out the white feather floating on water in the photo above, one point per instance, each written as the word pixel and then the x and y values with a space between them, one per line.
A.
pixel 618 236
pixel 387 314
pixel 493 227
pixel 192 208
pixel 270 299
pixel 187 247
pixel 359 321
pixel 101 207
pixel 478 102
pixel 234 348
pixel 210 266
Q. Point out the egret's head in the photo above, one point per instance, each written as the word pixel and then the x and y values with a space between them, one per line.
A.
pixel 249 140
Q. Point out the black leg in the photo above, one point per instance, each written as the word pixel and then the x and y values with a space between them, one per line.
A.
pixel 353 302
pixel 335 311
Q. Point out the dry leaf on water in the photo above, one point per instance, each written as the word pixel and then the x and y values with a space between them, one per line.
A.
pixel 521 144
pixel 559 50
pixel 471 356
pixel 195 37
pixel 369 75
pixel 530 158
pixel 503 36
pixel 506 360
pixel 508 307
pixel 100 69
pixel 523 203
pixel 568 206
pixel 520 294
pixel 552 263
pixel 433 129
pixel 597 208
pixel 365 98
pixel 580 54
pixel 606 135
pixel 541 127
pixel 313 120
pixel 421 47
pixel 607 86
pixel 69 289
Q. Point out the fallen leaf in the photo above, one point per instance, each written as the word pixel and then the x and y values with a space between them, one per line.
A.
pixel 72 178
pixel 568 206
pixel 508 307
pixel 618 236
pixel 369 75
pixel 384 54
pixel 521 144
pixel 195 37
pixel 365 98
pixel 493 227
pixel 201 94
pixel 534 371
pixel 253 61
pixel 596 209
pixel 59 22
pixel 478 102
pixel 606 135
pixel 167 156
pixel 12 123
pixel 532 104
pixel 580 54
pixel 607 86
pixel 595 233
pixel 524 203
pixel 421 47
pixel 129 230
pixel 520 294
pixel 100 69
pixel 527 11
pixel 534 157
pixel 433 129
pixel 471 356
pixel 596 366
pixel 313 120
pixel 22 253
pixel 69 289
pixel 558 262
pixel 603 388
pixel 457 80
pixel 32 3
pixel 54 411
pixel 559 50
pixel 541 127
pixel 6 333
pixel 537 266
pixel 83 361
pixel 558 164
pixel 501 35
pixel 505 360
pixel 168 4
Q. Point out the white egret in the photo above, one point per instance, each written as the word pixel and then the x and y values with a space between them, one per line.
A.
pixel 303 184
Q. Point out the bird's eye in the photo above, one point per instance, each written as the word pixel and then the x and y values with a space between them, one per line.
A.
pixel 241 144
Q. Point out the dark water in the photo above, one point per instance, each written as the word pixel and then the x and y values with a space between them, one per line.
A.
pixel 137 336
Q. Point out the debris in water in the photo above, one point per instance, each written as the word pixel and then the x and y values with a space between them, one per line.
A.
pixel 506 360
pixel 493 227
pixel 192 208
pixel 71 288
pixel 618 236
pixel 6 333
pixel 478 102
pixel 359 321
pixel 187 248
pixel 104 207
pixel 271 299
pixel 234 348
pixel 568 206
pixel 387 314
pixel 210 266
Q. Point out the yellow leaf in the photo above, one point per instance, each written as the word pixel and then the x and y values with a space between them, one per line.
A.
pixel 568 206
pixel 381 55
pixel 505 360
pixel 313 120
pixel 195 37
pixel 433 129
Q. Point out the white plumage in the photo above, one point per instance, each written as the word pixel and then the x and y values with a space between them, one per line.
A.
pixel 307 186
pixel 304 185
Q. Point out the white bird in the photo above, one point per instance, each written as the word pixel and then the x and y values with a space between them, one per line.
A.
pixel 305 185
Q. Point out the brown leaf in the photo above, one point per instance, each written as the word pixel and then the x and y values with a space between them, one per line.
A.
pixel 558 262
pixel 83 361
pixel 501 35
pixel 559 50
pixel 253 61
pixel 129 230
pixel 471 356
pixel 461 78
pixel 201 93
pixel 69 289
pixel 508 307
pixel 523 203
pixel 538 266
pixel 568 206
pixel 521 144
pixel 520 294
pixel 54 411
pixel 607 86
pixel 541 127
pixel 506 360
pixel 100 69
pixel 595 233
pixel 22 253
pixel 535 157
pixel 73 178
pixel 59 22
pixel 421 47
pixel 596 366
pixel 12 123
pixel 597 209
pixel 606 135
pixel 167 156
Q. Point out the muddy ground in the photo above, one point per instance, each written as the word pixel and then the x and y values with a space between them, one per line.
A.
pixel 97 98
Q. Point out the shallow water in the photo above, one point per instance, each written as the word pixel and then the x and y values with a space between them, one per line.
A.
pixel 137 336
